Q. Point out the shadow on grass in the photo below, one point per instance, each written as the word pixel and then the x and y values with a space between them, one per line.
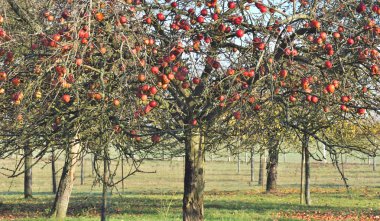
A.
pixel 88 205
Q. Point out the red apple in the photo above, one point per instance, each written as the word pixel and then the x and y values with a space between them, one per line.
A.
pixel 153 90
pixel 314 99
pixel 283 73
pixel 160 16
pixel 153 103
pixel 16 81
pixel 292 99
pixel 361 111
pixel 350 41
pixel 116 102
pixel 194 122
pixel 344 108
pixel 65 98
pixel 231 5
pixel 328 64
pixel 240 33
pixel 330 88
pixel 196 80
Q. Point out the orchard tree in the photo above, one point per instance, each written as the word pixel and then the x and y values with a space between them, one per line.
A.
pixel 196 62
pixel 67 81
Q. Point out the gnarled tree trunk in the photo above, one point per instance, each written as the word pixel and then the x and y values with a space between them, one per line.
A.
pixel 28 161
pixel 272 164
pixel 194 176
pixel 66 183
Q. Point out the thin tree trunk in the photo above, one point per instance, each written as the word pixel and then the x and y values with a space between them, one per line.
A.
pixel 272 165
pixel 302 166
pixel 374 163
pixel 261 169
pixel 193 209
pixel 92 165
pixel 104 192
pixel 53 172
pixel 66 183
pixel 324 154
pixel 28 161
pixel 238 163
pixel 307 169
pixel 122 173
pixel 82 170
pixel 252 164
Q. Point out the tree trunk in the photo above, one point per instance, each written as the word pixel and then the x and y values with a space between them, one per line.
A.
pixel 28 161
pixel 324 154
pixel 374 163
pixel 307 169
pixel 92 165
pixel 261 169
pixel 53 172
pixel 66 183
pixel 103 214
pixel 82 170
pixel 302 169
pixel 194 176
pixel 238 163
pixel 272 165
pixel 122 174
pixel 252 164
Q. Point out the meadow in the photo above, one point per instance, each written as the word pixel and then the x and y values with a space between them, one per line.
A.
pixel 156 193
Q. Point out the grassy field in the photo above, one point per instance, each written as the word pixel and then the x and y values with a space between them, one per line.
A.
pixel 229 195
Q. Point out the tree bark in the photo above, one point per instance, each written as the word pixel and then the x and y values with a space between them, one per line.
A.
pixel 374 163
pixel 193 209
pixel 122 174
pixel 28 161
pixel 302 169
pixel 82 170
pixel 238 163
pixel 252 164
pixel 324 154
pixel 272 165
pixel 66 183
pixel 92 165
pixel 261 169
pixel 53 172
pixel 103 214
pixel 305 142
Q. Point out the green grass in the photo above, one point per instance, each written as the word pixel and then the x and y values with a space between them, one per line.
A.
pixel 229 196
